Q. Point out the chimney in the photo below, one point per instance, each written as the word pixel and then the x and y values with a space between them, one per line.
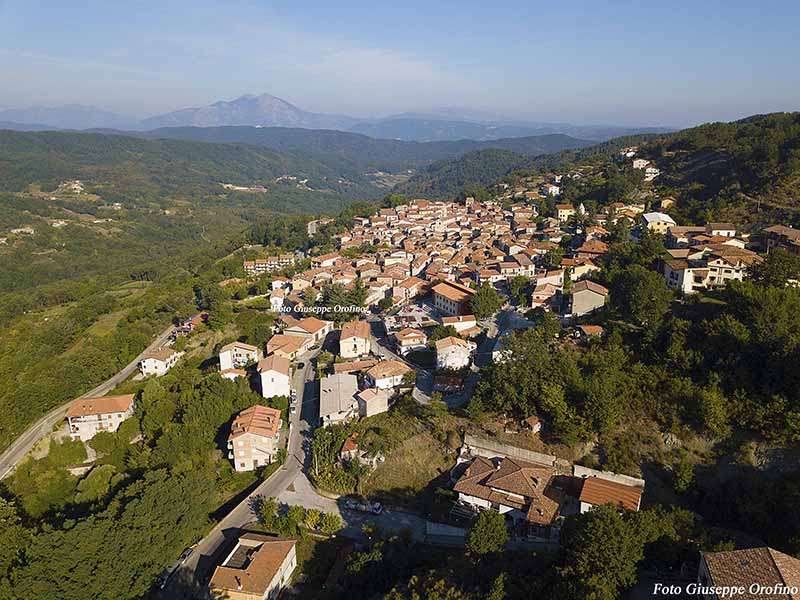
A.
pixel 238 583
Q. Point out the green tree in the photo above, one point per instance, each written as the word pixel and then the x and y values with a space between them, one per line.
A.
pixel 778 268
pixel 313 517
pixel 331 523
pixel 518 287
pixel 641 296
pixel 488 534
pixel 601 553
pixel 486 301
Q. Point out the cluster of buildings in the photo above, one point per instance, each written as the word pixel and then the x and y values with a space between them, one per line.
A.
pixel 534 491
pixel 262 266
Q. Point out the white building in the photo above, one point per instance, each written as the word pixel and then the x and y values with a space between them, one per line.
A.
pixel 657 222
pixel 408 340
pixel 311 327
pixel 86 417
pixel 373 401
pixel 277 299
pixel 354 339
pixel 258 568
pixel 158 362
pixel 337 401
pixel 275 376
pixel 237 355
pixel 454 353
pixel 387 374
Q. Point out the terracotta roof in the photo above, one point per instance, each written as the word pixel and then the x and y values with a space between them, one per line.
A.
pixel 240 345
pixel 350 443
pixel 483 480
pixel 357 329
pixel 274 363
pixel 353 366
pixel 585 284
pixel 164 353
pixel 598 491
pixel 388 368
pixel 259 420
pixel 458 319
pixel 285 343
pixel 447 342
pixel 453 291
pixel 311 324
pixel 99 406
pixel 256 575
pixel 765 566
pixel 591 329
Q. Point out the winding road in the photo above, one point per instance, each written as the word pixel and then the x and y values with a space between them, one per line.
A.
pixel 20 447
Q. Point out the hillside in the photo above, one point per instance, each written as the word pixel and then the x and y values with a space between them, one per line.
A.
pixel 356 152
pixel 446 178
pixel 122 166
pixel 732 168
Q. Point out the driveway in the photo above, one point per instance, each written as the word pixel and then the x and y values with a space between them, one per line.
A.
pixel 302 493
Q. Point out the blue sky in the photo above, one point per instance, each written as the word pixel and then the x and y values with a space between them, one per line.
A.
pixel 673 63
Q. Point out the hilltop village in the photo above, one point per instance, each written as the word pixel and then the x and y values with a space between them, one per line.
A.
pixel 431 293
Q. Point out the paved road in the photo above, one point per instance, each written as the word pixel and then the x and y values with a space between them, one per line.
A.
pixel 25 442
pixel 190 578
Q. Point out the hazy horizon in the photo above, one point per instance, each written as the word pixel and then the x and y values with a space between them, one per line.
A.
pixel 583 63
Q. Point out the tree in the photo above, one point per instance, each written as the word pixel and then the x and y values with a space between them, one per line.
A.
pixel 601 553
pixel 778 268
pixel 488 534
pixel 714 410
pixel 640 295
pixel 683 474
pixel 313 517
pixel 486 301
pixel 518 288
pixel 14 538
pixel 331 523
pixel 440 332
pixel 386 303
pixel 268 513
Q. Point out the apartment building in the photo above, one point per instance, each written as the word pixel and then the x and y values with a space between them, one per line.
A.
pixel 237 355
pixel 258 568
pixel 262 266
pixel 253 441
pixel 86 417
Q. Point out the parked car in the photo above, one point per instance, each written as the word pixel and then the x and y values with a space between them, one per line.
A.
pixel 362 505
pixel 186 553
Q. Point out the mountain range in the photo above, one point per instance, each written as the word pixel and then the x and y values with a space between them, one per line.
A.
pixel 270 111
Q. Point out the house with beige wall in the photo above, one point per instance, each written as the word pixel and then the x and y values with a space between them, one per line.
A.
pixel 86 417
pixel 254 436
pixel 258 568
pixel 354 339
pixel 274 372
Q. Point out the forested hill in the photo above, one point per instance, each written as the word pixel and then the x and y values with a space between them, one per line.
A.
pixel 126 166
pixel 446 178
pixel 346 150
pixel 718 168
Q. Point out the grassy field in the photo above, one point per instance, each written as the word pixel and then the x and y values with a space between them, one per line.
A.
pixel 409 470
